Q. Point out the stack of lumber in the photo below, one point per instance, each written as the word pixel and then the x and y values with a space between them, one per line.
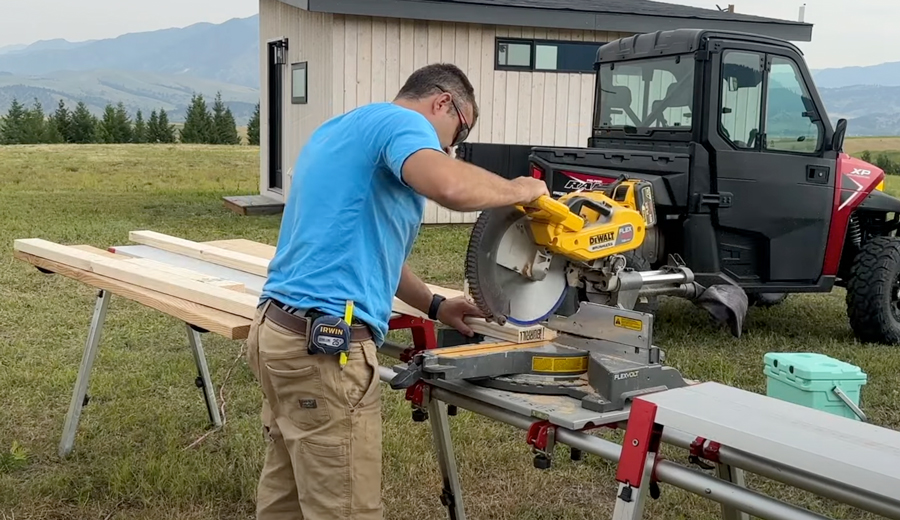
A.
pixel 215 304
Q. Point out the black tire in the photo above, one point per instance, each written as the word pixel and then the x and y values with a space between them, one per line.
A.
pixel 766 300
pixel 873 292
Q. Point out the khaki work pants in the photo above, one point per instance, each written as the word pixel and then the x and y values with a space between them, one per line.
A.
pixel 323 428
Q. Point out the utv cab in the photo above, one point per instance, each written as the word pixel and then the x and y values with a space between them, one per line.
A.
pixel 750 181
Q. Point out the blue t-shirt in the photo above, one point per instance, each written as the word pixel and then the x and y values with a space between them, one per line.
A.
pixel 350 220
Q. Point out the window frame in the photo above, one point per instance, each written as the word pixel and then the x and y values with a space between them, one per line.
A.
pixel 763 97
pixel 533 44
pixel 304 99
pixel 768 54
pixel 804 84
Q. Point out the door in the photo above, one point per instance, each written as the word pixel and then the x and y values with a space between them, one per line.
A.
pixel 277 51
pixel 772 172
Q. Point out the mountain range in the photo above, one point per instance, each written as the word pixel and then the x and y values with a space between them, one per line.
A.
pixel 164 68
pixel 144 71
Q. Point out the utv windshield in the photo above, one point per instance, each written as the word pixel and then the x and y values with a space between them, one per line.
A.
pixel 643 95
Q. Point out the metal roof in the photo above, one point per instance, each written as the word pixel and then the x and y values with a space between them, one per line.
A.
pixel 631 16
pixel 642 7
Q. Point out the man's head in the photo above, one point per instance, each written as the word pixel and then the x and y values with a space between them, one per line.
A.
pixel 443 94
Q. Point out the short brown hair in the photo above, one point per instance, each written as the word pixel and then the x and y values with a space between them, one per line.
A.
pixel 431 78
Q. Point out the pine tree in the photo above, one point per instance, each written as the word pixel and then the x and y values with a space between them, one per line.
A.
pixel 153 128
pixel 62 119
pixel 166 132
pixel 198 123
pixel 140 129
pixel 115 127
pixel 52 135
pixel 13 124
pixel 124 132
pixel 223 122
pixel 84 125
pixel 107 127
pixel 253 128
pixel 34 124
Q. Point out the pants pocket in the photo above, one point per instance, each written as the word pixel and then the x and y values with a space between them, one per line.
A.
pixel 360 375
pixel 300 395
pixel 323 480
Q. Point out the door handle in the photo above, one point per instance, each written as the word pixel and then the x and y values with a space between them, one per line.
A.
pixel 818 174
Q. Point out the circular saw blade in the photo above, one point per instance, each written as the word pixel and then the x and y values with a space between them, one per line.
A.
pixel 501 248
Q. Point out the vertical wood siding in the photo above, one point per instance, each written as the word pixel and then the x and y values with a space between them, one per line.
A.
pixel 372 57
pixel 309 39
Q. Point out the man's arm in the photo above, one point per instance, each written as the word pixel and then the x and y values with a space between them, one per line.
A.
pixel 413 290
pixel 452 312
pixel 460 186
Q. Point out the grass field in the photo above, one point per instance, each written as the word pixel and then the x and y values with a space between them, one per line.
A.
pixel 131 458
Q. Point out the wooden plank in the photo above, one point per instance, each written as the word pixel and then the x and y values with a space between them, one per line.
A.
pixel 222 323
pixel 242 245
pixel 253 205
pixel 167 268
pixel 191 290
pixel 211 254
pixel 98 251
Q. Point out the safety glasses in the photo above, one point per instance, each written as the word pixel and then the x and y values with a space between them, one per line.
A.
pixel 463 131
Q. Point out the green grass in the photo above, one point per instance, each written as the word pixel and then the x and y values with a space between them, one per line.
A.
pixel 130 459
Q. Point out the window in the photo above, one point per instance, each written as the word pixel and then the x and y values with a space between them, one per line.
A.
pixel 792 124
pixel 645 94
pixel 547 56
pixel 741 102
pixel 298 83
pixel 514 55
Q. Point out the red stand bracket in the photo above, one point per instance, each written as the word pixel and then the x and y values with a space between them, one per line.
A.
pixel 637 463
pixel 423 333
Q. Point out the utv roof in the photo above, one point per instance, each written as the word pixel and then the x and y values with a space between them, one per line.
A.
pixel 678 41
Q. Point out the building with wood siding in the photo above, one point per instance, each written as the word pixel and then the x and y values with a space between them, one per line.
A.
pixel 530 61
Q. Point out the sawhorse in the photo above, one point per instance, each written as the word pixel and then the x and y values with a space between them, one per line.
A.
pixel 80 397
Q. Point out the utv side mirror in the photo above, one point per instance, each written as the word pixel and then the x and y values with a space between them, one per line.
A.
pixel 840 131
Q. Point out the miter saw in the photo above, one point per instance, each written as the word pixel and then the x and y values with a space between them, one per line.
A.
pixel 564 263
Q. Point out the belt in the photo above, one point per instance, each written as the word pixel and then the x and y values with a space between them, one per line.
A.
pixel 300 324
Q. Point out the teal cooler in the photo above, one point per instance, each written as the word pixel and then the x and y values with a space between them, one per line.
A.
pixel 809 380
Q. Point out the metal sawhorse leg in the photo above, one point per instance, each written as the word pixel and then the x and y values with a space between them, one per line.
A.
pixel 451 494
pixel 79 395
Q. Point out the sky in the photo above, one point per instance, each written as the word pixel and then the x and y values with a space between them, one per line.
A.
pixel 861 32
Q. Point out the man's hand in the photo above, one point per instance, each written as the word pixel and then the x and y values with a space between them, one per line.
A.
pixel 453 311
pixel 530 188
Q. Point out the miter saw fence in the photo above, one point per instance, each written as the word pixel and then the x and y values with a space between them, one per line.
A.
pixel 526 263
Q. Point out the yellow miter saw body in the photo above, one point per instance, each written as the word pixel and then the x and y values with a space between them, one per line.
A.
pixel 526 263
pixel 585 227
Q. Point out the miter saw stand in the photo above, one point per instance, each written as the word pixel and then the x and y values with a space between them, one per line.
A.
pixel 598 368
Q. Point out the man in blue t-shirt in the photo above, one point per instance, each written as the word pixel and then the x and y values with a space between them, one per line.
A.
pixel 359 189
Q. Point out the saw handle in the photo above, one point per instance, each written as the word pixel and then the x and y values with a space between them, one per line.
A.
pixel 546 208
pixel 580 202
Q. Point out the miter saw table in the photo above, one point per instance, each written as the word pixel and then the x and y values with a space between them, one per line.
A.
pixel 601 356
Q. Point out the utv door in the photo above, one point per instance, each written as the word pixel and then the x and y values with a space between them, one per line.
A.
pixel 770 167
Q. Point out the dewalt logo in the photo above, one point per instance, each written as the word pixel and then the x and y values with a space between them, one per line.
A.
pixel 602 238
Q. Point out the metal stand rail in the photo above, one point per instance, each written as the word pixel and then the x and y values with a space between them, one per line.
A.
pixel 726 487
pixel 80 397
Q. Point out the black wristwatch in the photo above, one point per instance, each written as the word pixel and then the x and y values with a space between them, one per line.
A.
pixel 436 302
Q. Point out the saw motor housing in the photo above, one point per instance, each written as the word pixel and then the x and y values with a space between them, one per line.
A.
pixel 586 227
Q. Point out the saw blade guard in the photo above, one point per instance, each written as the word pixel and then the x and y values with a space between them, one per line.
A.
pixel 509 276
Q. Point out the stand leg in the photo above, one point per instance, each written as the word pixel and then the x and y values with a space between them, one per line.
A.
pixel 636 464
pixel 736 477
pixel 204 380
pixel 84 373
pixel 451 495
